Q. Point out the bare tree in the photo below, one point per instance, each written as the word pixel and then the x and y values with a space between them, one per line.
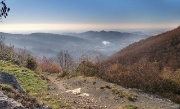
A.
pixel 2 39
pixel 65 60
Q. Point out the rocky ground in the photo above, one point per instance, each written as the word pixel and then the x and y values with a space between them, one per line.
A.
pixel 5 102
pixel 6 78
pixel 8 103
pixel 91 93
pixel 94 93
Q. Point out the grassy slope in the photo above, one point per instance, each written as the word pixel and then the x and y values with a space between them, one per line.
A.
pixel 33 84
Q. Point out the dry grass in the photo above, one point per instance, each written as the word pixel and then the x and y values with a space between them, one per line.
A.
pixel 121 93
pixel 128 106
pixel 151 65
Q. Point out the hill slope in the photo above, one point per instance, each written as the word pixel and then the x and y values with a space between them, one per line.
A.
pixel 163 48
pixel 34 85
pixel 151 64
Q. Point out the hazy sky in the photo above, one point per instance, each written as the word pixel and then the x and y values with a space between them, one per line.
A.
pixel 91 14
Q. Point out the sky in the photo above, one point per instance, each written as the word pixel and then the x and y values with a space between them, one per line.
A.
pixel 81 15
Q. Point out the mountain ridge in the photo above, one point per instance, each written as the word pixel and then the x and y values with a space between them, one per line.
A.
pixel 109 35
pixel 40 43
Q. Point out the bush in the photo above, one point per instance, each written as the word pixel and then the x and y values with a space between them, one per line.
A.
pixel 8 53
pixel 46 65
pixel 88 68
pixel 63 74
pixel 121 93
pixel 31 63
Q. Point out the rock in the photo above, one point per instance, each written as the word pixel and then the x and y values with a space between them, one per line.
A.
pixel 6 78
pixel 9 103
pixel 74 102
pixel 75 91
pixel 84 94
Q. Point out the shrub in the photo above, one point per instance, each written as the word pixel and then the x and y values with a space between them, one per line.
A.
pixel 63 74
pixel 8 53
pixel 31 63
pixel 88 68
pixel 121 93
pixel 47 65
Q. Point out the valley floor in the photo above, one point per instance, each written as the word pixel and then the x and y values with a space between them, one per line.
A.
pixel 94 93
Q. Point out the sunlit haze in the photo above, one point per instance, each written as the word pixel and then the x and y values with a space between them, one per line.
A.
pixel 83 15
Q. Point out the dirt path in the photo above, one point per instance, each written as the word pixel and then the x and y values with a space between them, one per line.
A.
pixel 73 96
pixel 93 93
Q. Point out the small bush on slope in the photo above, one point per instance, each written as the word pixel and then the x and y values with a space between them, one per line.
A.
pixel 121 93
pixel 46 65
pixel 31 63
pixel 88 68
pixel 33 84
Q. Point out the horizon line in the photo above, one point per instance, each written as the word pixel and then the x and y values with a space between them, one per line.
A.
pixel 81 27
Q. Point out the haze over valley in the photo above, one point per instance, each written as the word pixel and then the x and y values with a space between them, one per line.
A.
pixel 90 43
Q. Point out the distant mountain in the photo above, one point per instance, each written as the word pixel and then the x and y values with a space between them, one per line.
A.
pixel 106 35
pixel 90 42
pixel 110 42
pixel 46 37
pixel 112 36
pixel 41 44
pixel 56 37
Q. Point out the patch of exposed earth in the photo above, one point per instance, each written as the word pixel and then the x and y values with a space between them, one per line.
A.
pixel 94 93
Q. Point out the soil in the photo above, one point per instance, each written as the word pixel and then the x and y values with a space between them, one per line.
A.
pixel 94 93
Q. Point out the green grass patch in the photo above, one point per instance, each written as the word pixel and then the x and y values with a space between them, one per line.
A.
pixel 33 84
pixel 129 106
pixel 7 88
pixel 121 93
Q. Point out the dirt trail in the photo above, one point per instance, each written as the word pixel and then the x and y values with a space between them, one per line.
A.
pixel 93 93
